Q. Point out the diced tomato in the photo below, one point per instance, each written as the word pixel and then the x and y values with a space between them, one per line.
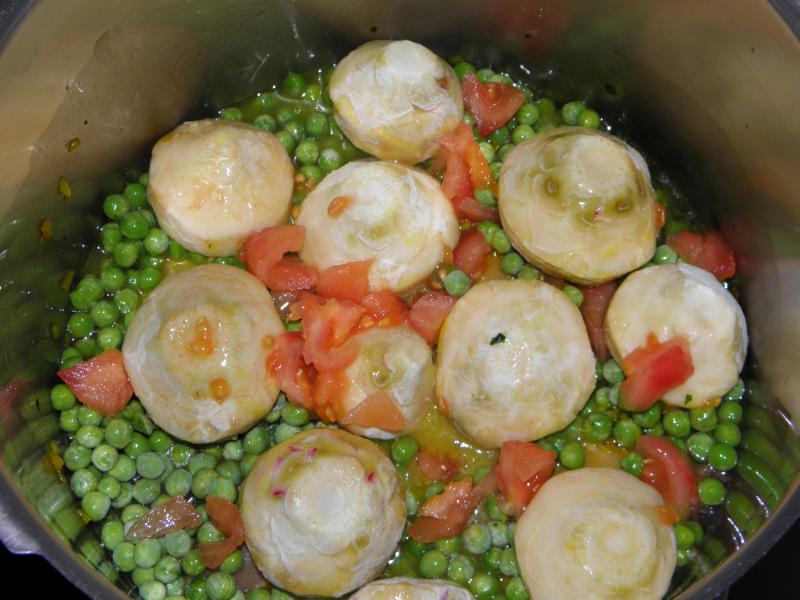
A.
pixel 436 467
pixel 100 383
pixel 669 472
pixel 470 253
pixel 456 183
pixel 429 312
pixel 326 328
pixel 302 304
pixel 654 369
pixel 377 410
pixel 593 309
pixel 175 514
pixel 708 251
pixel 661 216
pixel 466 207
pixel 385 308
pixel 327 391
pixel 492 105
pixel 262 254
pixel 225 517
pixel 286 364
pixel 522 469
pixel 446 514
pixel 348 281
pixel 461 142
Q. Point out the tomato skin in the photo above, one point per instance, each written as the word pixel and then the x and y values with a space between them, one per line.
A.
pixel 286 364
pixel 596 299
pixel 302 304
pixel 456 182
pixel 326 328
pixel 661 216
pixel 670 473
pixel 263 255
pixel 225 517
pixel 707 251
pixel 327 389
pixel 654 369
pixel 466 207
pixel 522 469
pixel 348 281
pixel 436 467
pixel 386 309
pixel 461 142
pixel 470 253
pixel 492 105
pixel 377 410
pixel 429 312
pixel 100 383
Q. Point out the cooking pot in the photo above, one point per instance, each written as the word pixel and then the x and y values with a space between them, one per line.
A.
pixel 708 89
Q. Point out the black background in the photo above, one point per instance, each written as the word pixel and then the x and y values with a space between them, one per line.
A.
pixel 773 578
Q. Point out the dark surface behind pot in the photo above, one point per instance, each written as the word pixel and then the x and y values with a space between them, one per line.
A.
pixel 710 89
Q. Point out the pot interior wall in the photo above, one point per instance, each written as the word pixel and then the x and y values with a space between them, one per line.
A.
pixel 707 90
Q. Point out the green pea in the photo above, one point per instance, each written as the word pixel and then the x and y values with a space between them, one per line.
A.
pixel 730 411
pixel 307 152
pixel 110 236
pixel 404 449
pixel 448 545
pixel 167 570
pixel 233 563
pixel 508 563
pixel 457 283
pixel 722 457
pixel 529 273
pixel 676 423
pixel 493 506
pixel 488 229
pixel 265 122
pixel 296 416
pixel 192 563
pixel 633 463
pixel 61 397
pixel 499 136
pixel 138 445
pixel 197 590
pixel 527 114
pixel 89 436
pixel 499 533
pixel 88 291
pixel 136 193
pixel 511 263
pixel 504 151
pixel 80 324
pixel 118 433
pixel 316 124
pixel 612 372
pixel 574 294
pixel 571 456
pixel 487 150
pixel 256 440
pixel 112 534
pixel 485 198
pixel 648 418
pixel 588 118
pixel 135 225
pixel 202 460
pixel 176 251
pixel 626 432
pixel 684 538
pixel 82 482
pixel 126 300
pixel 125 493
pixel 711 491
pixel 293 85
pixel 124 469
pixel 500 242
pixel 571 111
pixel 123 557
pixel 202 482
pixel 116 206
pixel 491 559
pixel 736 392
pixel 516 590
pixel 483 75
pixel 460 569
pixel 145 491
pixel 125 254
pixel 104 457
pixel 522 133
pixel 495 167
pixel 231 114
pixel 77 457
pixel 330 160
pixel 178 483
pixel 699 445
pixel 433 564
pixel 484 586
pixel 476 539
pixel 222 487
pixel 96 505
pixel 462 69
pixel 220 586
pixel 287 139
pixel 665 256
pixel 104 313
pixel 89 416
pixel 703 419
pixel 600 427
pixel 295 129
pixel 728 433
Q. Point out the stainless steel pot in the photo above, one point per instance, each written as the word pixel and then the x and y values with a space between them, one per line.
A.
pixel 709 88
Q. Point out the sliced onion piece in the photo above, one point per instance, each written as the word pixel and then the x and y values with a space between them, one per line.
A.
pixel 596 533
pixel 578 204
